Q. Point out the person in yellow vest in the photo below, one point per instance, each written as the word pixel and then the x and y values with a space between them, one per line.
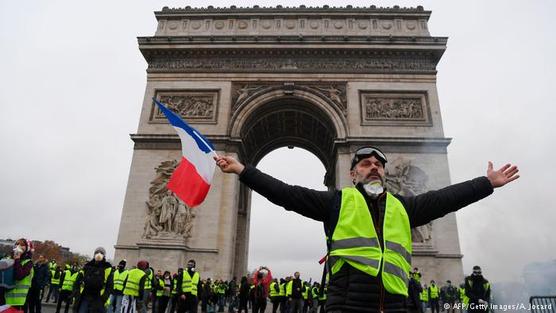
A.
pixel 54 288
pixel 477 289
pixel 434 294
pixel 96 283
pixel 117 295
pixel 424 297
pixel 306 294
pixel 188 286
pixel 315 296
pixel 175 299
pixel 273 294
pixel 164 291
pixel 134 287
pixel 67 283
pixel 156 290
pixel 22 254
pixel 368 228
pixel 143 303
pixel 463 299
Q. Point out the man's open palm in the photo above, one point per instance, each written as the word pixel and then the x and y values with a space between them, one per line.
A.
pixel 504 175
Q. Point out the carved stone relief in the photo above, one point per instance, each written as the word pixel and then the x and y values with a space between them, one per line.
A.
pixel 401 108
pixel 332 92
pixel 409 180
pixel 326 63
pixel 193 106
pixel 167 216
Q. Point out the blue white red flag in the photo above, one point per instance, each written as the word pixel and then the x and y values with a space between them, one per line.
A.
pixel 192 177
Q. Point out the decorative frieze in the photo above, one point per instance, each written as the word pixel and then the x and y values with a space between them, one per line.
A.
pixel 195 106
pixel 396 109
pixel 295 61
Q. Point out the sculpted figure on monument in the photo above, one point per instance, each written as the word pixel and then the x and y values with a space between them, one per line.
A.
pixel 169 208
pixel 167 216
pixel 409 180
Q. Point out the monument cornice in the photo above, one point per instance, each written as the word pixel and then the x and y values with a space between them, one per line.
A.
pixel 279 10
pixel 146 42
pixel 297 60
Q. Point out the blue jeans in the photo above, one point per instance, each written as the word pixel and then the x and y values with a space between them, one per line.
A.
pixel 115 303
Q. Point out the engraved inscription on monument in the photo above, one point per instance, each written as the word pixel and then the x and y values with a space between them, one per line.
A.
pixel 193 105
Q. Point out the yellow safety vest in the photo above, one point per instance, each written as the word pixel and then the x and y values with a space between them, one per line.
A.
pixel 189 284
pixel 434 291
pixel 134 277
pixel 174 285
pixel 119 278
pixel 69 280
pixel 462 296
pixel 273 292
pixel 54 281
pixel 289 287
pixel 355 241
pixel 148 282
pixel 18 295
pixel 424 295
pixel 282 290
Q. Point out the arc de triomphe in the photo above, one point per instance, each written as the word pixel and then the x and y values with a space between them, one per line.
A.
pixel 255 79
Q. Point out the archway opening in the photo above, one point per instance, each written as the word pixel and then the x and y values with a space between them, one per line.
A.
pixel 293 137
pixel 282 240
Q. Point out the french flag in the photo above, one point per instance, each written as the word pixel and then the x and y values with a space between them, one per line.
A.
pixel 191 179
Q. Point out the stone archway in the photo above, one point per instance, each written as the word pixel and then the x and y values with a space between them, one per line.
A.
pixel 254 79
pixel 277 121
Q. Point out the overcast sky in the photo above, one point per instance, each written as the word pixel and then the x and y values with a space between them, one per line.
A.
pixel 72 82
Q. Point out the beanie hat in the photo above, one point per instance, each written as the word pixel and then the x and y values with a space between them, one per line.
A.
pixel 100 250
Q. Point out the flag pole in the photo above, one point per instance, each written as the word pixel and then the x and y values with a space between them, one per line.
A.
pixel 206 144
pixel 194 132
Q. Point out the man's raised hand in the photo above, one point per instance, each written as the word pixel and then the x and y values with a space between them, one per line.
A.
pixel 229 165
pixel 504 175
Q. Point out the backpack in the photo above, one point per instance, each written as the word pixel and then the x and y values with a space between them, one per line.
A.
pixel 93 278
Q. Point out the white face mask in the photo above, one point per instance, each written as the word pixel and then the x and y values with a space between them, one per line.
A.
pixel 99 257
pixel 18 249
pixel 374 188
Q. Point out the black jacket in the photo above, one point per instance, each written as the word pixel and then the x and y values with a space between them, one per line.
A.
pixel 475 288
pixel 351 290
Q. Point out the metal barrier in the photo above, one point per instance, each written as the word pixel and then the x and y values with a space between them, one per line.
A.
pixel 545 304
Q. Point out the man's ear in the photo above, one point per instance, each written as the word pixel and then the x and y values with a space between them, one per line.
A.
pixel 352 175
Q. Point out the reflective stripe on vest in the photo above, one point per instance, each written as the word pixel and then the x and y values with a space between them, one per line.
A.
pixel 18 295
pixel 69 280
pixel 149 280
pixel 160 289
pixel 434 292
pixel 119 279
pixel 289 287
pixel 355 241
pixel 273 292
pixel 282 292
pixel 175 286
pixel 54 281
pixel 131 287
pixel 189 284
